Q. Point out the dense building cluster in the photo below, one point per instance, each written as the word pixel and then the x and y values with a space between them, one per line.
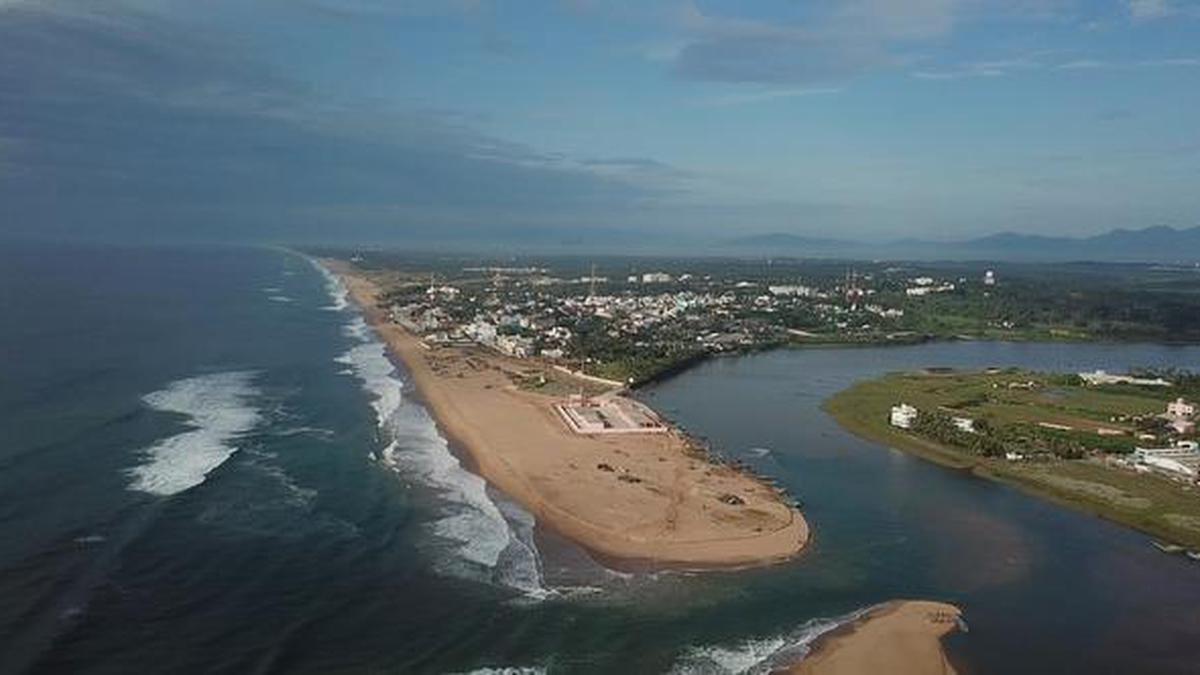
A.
pixel 632 329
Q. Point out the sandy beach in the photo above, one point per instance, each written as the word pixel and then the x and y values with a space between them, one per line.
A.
pixel 899 638
pixel 640 499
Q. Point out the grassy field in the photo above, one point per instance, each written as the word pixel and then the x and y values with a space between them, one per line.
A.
pixel 1158 506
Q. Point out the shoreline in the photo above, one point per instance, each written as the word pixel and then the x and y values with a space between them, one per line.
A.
pixel 848 412
pixel 639 501
pixel 687 364
pixel 902 637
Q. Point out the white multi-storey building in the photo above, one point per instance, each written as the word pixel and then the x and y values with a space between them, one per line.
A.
pixel 903 416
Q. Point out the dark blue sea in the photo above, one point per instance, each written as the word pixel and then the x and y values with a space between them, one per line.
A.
pixel 208 464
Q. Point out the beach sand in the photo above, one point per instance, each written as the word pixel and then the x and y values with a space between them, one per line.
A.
pixel 634 500
pixel 898 638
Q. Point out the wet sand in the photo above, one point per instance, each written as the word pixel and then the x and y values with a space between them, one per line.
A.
pixel 899 638
pixel 633 499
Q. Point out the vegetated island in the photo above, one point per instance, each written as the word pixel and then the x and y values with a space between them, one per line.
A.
pixel 597 467
pixel 1119 446
pixel 903 637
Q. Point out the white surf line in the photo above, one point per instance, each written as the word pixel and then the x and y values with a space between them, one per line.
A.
pixel 484 541
pixel 217 410
pixel 758 656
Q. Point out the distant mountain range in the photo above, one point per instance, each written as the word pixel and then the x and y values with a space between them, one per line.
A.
pixel 1152 244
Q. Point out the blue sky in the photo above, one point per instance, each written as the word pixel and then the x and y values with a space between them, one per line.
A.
pixel 467 121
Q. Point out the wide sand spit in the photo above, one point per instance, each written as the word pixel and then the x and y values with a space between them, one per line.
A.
pixel 634 500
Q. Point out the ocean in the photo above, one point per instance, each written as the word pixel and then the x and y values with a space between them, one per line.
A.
pixel 209 464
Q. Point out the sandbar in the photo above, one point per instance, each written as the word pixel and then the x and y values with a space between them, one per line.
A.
pixel 903 637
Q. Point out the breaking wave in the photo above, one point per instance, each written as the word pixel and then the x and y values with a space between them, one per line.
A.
pixel 761 655
pixel 217 410
pixel 338 293
pixel 508 670
pixel 478 536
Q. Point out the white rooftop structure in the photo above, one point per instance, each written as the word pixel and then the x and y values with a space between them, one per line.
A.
pixel 1098 377
pixel 1180 408
pixel 790 289
pixel 903 416
pixel 964 424
pixel 1181 460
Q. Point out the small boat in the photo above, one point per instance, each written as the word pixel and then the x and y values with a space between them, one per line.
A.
pixel 1194 555
pixel 1167 548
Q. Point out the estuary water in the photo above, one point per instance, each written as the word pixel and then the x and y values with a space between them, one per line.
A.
pixel 209 464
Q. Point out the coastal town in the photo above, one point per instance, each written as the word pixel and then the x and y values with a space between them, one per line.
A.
pixel 601 468
pixel 629 321
pixel 630 328
pixel 1120 444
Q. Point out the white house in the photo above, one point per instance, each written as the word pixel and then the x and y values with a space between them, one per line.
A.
pixel 1180 408
pixel 515 345
pixel 481 331
pixel 1181 461
pixel 1100 377
pixel 791 289
pixel 903 416
pixel 926 290
pixel 1178 416
pixel 964 424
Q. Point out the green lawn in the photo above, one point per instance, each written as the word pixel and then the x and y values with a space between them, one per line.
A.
pixel 1152 504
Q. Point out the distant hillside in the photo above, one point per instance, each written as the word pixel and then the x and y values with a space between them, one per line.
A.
pixel 782 239
pixel 1152 244
pixel 783 244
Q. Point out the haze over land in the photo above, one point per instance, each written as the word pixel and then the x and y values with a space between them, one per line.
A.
pixel 1151 244
pixel 674 126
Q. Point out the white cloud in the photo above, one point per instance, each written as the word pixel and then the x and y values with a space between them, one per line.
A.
pixel 1142 10
pixel 1177 62
pixel 996 68
pixel 1082 64
pixel 934 75
pixel 829 43
pixel 764 95
pixel 899 19
pixel 404 8
pixel 1012 66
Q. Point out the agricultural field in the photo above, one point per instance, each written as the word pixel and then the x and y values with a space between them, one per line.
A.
pixel 1070 438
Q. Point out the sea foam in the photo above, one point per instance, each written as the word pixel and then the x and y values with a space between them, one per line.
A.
pixel 761 655
pixel 508 670
pixel 479 537
pixel 334 286
pixel 217 410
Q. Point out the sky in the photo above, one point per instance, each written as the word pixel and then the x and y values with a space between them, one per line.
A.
pixel 621 124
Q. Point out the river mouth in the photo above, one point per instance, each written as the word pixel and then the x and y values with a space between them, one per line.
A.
pixel 893 525
pixel 304 550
